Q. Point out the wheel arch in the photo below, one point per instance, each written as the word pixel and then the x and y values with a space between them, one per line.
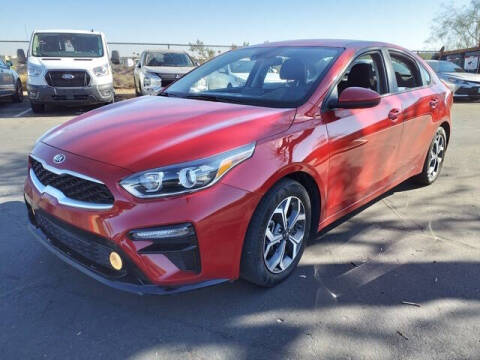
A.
pixel 446 126
pixel 309 183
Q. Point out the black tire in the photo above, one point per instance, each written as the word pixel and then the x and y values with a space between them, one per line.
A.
pixel 18 97
pixel 426 177
pixel 253 266
pixel 37 108
pixel 137 93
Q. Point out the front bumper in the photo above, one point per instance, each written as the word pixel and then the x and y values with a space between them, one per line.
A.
pixel 137 288
pixel 467 91
pixel 89 95
pixel 219 215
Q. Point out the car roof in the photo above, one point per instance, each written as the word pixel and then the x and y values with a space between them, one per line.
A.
pixel 343 43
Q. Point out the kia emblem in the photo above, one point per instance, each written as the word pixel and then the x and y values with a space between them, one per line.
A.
pixel 59 158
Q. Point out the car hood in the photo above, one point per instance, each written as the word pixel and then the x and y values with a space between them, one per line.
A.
pixel 462 76
pixel 168 69
pixel 153 131
pixel 67 63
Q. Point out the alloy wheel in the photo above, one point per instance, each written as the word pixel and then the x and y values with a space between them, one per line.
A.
pixel 284 234
pixel 436 156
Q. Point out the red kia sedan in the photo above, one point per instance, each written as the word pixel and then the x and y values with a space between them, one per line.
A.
pixel 236 166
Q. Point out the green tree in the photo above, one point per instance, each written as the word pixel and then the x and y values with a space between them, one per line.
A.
pixel 457 26
pixel 201 53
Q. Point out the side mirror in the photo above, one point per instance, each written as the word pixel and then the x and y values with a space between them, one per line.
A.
pixel 9 63
pixel 358 97
pixel 139 65
pixel 22 59
pixel 115 57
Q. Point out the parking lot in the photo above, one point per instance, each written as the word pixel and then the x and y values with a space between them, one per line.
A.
pixel 397 279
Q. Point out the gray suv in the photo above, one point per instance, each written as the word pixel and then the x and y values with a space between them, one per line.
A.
pixel 10 84
pixel 157 69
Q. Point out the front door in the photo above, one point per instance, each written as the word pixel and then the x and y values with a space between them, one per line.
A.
pixel 363 142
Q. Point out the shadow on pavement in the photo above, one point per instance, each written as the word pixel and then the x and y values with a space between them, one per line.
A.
pixel 41 295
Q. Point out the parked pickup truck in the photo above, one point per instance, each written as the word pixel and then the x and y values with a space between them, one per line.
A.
pixel 68 67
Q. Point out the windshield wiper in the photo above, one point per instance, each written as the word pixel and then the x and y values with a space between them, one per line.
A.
pixel 215 98
pixel 168 94
pixel 203 97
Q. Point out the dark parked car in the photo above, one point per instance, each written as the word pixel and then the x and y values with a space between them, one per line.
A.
pixel 463 84
pixel 210 183
pixel 10 84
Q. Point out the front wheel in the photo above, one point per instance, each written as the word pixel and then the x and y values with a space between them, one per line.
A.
pixel 37 108
pixel 18 96
pixel 277 234
pixel 434 159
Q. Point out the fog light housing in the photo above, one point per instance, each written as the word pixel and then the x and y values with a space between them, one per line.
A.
pixel 116 261
pixel 178 242
pixel 164 232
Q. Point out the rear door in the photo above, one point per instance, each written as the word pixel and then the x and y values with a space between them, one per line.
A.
pixel 363 142
pixel 412 85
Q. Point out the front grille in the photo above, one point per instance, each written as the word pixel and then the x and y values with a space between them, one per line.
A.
pixel 73 187
pixel 468 91
pixel 79 79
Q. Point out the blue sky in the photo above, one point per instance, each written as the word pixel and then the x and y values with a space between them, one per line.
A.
pixel 403 22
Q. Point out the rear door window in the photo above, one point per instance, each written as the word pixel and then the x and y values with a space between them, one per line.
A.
pixel 406 72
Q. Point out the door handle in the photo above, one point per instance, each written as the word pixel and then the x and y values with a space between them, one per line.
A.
pixel 393 114
pixel 434 103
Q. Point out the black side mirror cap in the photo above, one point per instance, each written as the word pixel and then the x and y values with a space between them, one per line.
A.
pixel 115 57
pixel 22 59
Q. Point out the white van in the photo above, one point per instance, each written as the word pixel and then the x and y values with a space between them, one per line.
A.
pixel 68 67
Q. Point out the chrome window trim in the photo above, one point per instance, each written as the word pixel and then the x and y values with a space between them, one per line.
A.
pixel 65 172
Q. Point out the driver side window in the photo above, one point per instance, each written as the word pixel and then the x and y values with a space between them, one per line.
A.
pixel 366 71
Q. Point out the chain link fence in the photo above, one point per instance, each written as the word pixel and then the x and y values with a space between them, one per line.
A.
pixel 130 51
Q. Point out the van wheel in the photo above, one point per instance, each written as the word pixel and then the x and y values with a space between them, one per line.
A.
pixel 137 93
pixel 18 97
pixel 37 108
pixel 277 234
pixel 434 159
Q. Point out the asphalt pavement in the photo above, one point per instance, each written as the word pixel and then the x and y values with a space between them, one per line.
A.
pixel 398 279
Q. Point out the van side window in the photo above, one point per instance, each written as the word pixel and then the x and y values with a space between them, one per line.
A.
pixel 406 72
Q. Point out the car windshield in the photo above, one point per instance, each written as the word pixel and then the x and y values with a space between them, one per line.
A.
pixel 445 66
pixel 167 59
pixel 263 76
pixel 67 45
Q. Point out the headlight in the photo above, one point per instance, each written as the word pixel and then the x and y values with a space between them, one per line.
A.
pixel 185 177
pixel 152 79
pixel 101 70
pixel 454 80
pixel 34 70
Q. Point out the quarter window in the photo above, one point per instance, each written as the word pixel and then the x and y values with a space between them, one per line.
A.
pixel 406 72
pixel 425 76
